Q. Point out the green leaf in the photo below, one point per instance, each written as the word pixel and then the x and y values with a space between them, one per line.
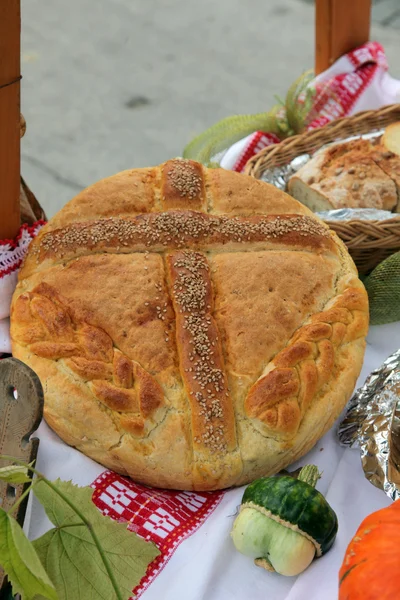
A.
pixel 21 563
pixel 70 556
pixel 15 474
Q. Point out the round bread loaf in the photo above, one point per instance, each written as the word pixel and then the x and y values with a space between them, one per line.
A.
pixel 192 328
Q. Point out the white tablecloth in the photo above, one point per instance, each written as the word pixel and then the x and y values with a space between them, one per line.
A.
pixel 206 565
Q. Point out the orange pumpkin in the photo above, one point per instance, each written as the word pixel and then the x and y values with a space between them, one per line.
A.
pixel 371 566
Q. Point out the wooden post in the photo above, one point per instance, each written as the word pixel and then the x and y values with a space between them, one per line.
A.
pixel 10 73
pixel 340 26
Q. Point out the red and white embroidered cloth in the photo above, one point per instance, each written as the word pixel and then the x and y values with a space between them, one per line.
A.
pixel 197 558
pixel 166 518
pixel 12 253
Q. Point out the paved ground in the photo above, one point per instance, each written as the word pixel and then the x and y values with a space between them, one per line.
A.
pixel 114 84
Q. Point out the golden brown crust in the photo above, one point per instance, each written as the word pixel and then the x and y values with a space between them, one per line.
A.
pixel 114 380
pixel 177 229
pixel 137 191
pixel 127 193
pixel 389 162
pixel 391 139
pixel 281 396
pixel 201 360
pixel 247 284
pixel 88 369
pixel 151 396
pixel 203 330
pixel 182 185
pixel 357 173
pixel 233 194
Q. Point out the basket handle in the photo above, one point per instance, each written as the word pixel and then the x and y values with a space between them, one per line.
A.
pixel 340 26
pixel 10 75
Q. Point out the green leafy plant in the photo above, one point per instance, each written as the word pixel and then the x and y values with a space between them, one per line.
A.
pixel 86 554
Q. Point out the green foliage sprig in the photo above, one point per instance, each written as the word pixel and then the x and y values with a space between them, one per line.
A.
pixel 85 555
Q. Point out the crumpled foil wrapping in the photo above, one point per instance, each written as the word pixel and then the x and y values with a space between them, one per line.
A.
pixel 372 423
pixel 364 214
pixel 279 177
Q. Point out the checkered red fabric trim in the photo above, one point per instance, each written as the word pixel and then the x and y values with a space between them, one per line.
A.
pixel 164 517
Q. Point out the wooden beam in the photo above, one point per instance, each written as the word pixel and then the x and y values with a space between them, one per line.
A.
pixel 340 26
pixel 10 72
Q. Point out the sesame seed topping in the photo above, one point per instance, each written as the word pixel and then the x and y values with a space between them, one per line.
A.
pixel 191 294
pixel 177 229
pixel 184 179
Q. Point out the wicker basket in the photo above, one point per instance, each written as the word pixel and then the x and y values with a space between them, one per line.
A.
pixel 369 242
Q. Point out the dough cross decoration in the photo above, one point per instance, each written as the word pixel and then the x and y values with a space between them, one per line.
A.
pixel 187 257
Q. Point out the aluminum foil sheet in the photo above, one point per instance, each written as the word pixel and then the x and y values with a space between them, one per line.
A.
pixel 372 423
pixel 364 214
pixel 279 177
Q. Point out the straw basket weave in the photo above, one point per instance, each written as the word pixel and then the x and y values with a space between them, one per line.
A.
pixel 369 242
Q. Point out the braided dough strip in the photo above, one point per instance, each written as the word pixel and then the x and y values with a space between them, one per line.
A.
pixel 49 328
pixel 283 393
